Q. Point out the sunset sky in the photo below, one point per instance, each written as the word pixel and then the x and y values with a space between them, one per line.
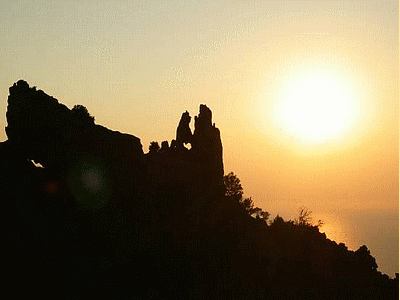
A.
pixel 305 93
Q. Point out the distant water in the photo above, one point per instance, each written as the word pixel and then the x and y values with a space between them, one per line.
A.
pixel 378 229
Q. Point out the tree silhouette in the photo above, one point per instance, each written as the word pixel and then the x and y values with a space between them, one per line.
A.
pixel 261 214
pixel 234 191
pixel 82 115
pixel 154 147
pixel 277 221
pixel 365 259
pixel 305 219
pixel 233 187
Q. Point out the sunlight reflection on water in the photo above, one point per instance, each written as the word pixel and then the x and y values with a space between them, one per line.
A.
pixel 378 229
pixel 337 230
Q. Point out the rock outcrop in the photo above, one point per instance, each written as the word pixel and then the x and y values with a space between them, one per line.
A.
pixel 207 148
pixel 104 168
pixel 100 163
pixel 183 132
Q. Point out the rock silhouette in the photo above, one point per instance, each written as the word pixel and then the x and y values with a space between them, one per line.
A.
pixel 102 218
pixel 183 132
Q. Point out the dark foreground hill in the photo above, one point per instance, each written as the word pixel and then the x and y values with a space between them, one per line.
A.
pixel 103 219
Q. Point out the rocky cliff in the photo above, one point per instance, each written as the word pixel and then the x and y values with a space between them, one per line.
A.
pixel 107 162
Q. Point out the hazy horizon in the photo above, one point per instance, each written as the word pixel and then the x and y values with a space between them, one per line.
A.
pixel 138 65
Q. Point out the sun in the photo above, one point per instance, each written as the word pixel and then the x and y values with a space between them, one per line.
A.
pixel 316 108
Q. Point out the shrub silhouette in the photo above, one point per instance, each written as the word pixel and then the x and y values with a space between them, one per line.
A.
pixel 154 147
pixel 81 114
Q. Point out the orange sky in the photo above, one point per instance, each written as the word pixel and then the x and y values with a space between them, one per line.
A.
pixel 137 65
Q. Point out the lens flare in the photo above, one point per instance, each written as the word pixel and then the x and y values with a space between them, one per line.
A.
pixel 93 179
pixel 89 182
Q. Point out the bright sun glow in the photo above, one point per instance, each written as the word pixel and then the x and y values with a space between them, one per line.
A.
pixel 316 108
